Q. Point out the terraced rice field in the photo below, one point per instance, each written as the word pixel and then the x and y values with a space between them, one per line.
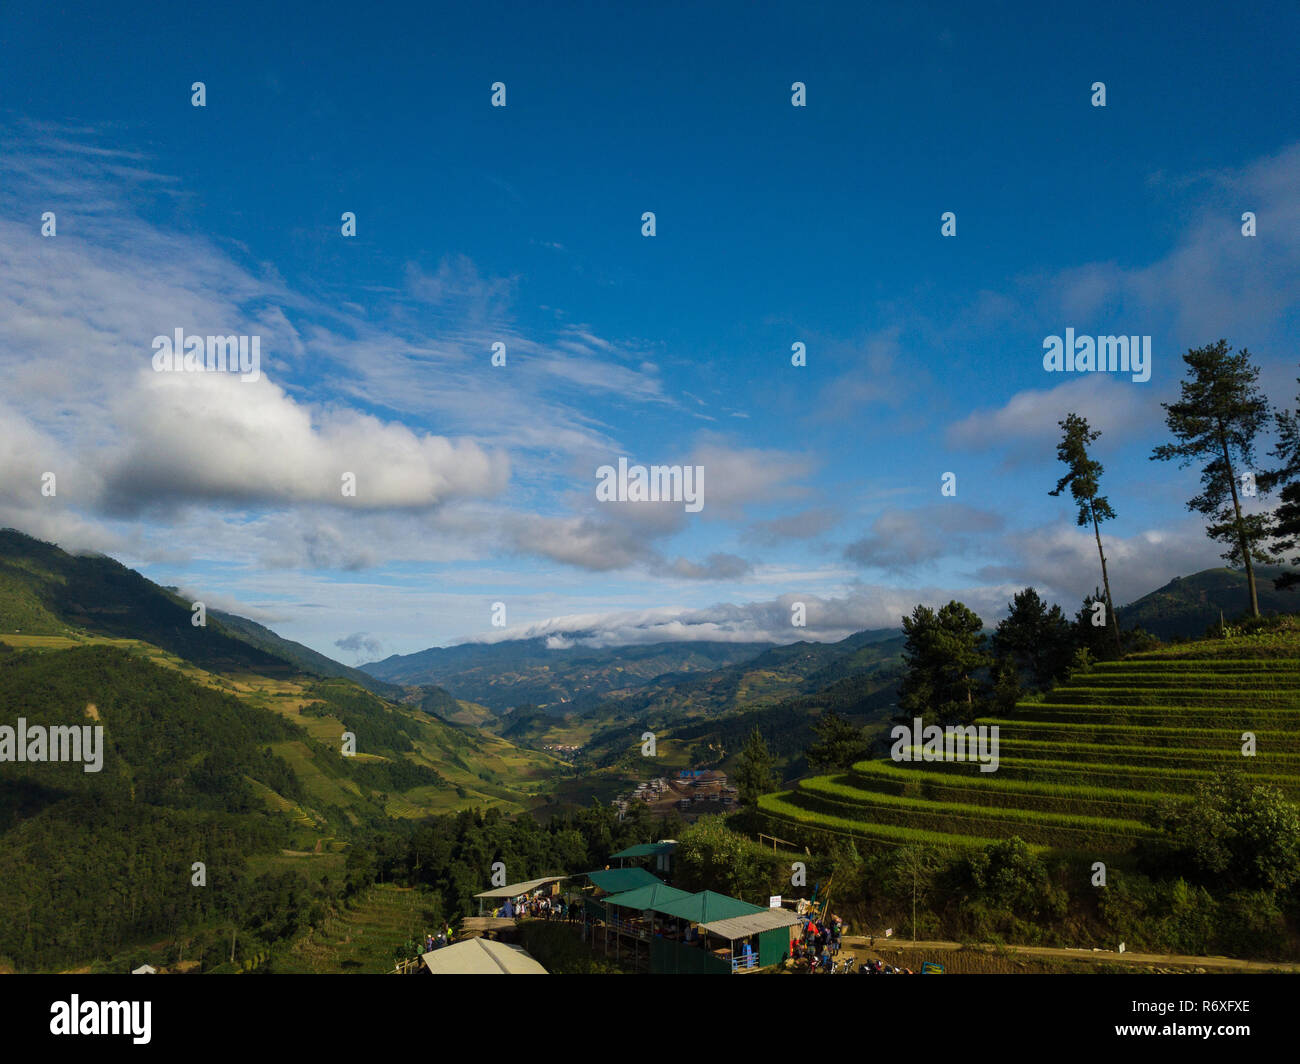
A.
pixel 1085 766
pixel 361 939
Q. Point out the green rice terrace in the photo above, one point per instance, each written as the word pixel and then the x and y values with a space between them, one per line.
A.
pixel 1084 765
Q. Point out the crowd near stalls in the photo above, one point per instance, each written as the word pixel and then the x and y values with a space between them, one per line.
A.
pixel 636 918
pixel 538 899
pixel 633 916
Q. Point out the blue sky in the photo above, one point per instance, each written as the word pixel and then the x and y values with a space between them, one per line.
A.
pixel 522 224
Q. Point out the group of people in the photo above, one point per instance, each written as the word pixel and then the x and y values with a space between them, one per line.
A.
pixel 442 938
pixel 543 907
pixel 818 944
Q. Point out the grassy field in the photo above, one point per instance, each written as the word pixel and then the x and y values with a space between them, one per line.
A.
pixel 1085 764
pixel 360 939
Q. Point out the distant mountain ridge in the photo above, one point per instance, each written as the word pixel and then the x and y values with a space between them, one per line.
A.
pixel 1186 606
pixel 521 672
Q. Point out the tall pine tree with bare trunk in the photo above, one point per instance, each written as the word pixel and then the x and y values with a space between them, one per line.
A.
pixel 1084 482
pixel 1286 527
pixel 1216 420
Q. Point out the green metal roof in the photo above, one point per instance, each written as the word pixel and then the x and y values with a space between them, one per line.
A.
pixel 655 897
pixel 707 906
pixel 617 880
pixel 646 849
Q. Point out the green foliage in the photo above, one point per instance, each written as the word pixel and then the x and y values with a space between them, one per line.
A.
pixel 839 743
pixel 91 874
pixel 1084 473
pixel 944 653
pixel 1035 641
pixel 1219 413
pixel 1237 834
pixel 1010 876
pixel 1170 915
pixel 1097 640
pixel 712 857
pixel 378 729
pixel 754 773
pixel 1286 529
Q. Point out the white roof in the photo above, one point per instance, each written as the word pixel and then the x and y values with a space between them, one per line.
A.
pixel 480 956
pixel 145 969
pixel 514 890
pixel 734 927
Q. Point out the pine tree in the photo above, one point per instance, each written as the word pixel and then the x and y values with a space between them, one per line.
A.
pixel 1034 641
pixel 1218 417
pixel 839 744
pixel 755 772
pixel 944 653
pixel 1286 517
pixel 1084 481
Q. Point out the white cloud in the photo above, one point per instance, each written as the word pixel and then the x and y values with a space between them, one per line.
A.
pixel 214 437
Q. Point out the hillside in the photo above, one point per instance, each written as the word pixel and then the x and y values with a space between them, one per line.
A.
pixel 45 591
pixel 221 744
pixel 1188 605
pixel 1083 767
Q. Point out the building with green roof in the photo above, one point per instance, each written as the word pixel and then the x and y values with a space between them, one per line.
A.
pixel 707 906
pixel 617 880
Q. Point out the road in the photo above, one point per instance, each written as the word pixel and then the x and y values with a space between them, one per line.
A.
pixel 1221 964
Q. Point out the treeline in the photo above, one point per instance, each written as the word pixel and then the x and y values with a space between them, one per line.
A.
pixel 92 874
pixel 452 856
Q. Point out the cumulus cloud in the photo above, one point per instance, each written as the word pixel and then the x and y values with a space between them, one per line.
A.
pixel 584 542
pixel 214 437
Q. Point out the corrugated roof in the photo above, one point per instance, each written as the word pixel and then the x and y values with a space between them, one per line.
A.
pixel 480 956
pixel 735 927
pixel 654 896
pixel 707 905
pixel 617 880
pixel 513 890
pixel 646 849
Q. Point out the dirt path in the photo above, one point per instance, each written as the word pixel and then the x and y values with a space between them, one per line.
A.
pixel 887 946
